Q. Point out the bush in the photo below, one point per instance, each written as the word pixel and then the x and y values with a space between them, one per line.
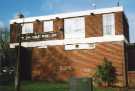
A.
pixel 105 73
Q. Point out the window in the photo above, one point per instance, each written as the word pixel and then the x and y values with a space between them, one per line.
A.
pixel 27 28
pixel 79 46
pixel 74 28
pixel 48 26
pixel 108 24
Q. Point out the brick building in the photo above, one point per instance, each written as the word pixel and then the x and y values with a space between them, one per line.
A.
pixel 73 44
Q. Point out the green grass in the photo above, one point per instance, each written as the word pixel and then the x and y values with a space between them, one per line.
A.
pixel 104 89
pixel 8 87
pixel 45 86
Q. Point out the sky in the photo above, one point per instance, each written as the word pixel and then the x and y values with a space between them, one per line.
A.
pixel 9 8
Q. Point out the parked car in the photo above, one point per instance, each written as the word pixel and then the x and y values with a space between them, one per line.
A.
pixel 6 74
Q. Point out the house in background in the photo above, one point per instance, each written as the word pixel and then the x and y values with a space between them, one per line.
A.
pixel 74 44
pixel 131 64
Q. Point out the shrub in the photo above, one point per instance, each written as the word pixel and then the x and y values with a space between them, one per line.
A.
pixel 105 73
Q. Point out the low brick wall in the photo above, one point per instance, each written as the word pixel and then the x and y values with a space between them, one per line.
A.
pixel 131 78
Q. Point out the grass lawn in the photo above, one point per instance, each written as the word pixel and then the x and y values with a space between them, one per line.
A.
pixel 44 86
pixel 8 87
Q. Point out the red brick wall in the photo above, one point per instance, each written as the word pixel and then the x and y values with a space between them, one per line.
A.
pixel 93 25
pixel 119 23
pixel 58 24
pixel 81 63
pixel 14 30
pixel 38 26
pixel 131 78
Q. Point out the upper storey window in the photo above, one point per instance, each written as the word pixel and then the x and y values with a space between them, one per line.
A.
pixel 74 27
pixel 27 28
pixel 48 26
pixel 108 24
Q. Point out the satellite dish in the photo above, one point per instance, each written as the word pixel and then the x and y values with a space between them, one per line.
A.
pixel 19 15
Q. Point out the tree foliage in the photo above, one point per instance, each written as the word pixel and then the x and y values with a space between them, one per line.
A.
pixel 6 54
pixel 4 39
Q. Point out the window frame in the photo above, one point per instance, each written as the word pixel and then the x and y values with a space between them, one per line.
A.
pixel 25 28
pixel 47 23
pixel 69 26
pixel 108 23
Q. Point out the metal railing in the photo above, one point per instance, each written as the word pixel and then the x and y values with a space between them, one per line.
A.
pixel 40 36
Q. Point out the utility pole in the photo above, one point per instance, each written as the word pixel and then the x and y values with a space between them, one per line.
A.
pixel 17 75
pixel 18 65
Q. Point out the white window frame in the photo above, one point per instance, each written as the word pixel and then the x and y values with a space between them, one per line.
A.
pixel 48 26
pixel 108 24
pixel 27 28
pixel 80 46
pixel 72 24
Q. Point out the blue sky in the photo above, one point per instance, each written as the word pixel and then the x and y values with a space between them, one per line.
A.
pixel 8 9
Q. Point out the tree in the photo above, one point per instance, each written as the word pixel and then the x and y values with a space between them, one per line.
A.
pixel 4 44
pixel 106 72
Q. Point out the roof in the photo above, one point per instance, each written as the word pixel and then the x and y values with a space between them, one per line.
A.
pixel 68 15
